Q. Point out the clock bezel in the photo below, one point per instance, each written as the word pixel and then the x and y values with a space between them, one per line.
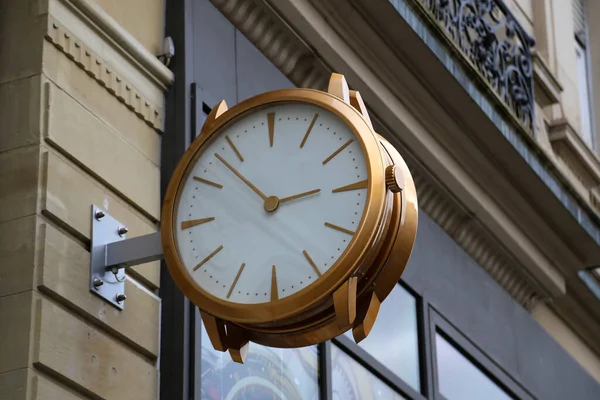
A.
pixel 348 262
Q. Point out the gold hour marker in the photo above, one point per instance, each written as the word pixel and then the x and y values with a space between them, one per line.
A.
pixel 211 255
pixel 194 222
pixel 271 121
pixel 237 276
pixel 197 178
pixel 311 262
pixel 312 123
pixel 335 153
pixel 339 228
pixel 235 150
pixel 353 186
pixel 274 293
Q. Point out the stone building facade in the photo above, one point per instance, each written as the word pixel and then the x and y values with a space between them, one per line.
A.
pixel 498 294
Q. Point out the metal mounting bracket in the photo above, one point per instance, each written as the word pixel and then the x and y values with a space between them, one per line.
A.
pixel 111 253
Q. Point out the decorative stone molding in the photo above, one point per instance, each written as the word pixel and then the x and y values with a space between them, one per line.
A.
pixel 104 74
pixel 570 148
pixel 269 34
pixel 265 30
pixel 115 32
pixel 477 242
pixel 547 89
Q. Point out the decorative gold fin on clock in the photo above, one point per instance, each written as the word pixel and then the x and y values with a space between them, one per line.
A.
pixel 366 314
pixel 215 113
pixel 237 343
pixel 339 87
pixel 344 303
pixel 357 102
pixel 215 328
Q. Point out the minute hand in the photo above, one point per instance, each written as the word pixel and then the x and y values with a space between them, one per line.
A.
pixel 298 196
pixel 246 181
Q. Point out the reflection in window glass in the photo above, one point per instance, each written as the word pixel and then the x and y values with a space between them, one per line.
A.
pixel 267 374
pixel 459 379
pixel 394 339
pixel 584 93
pixel 351 381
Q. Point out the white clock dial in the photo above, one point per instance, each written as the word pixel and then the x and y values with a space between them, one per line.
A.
pixel 271 203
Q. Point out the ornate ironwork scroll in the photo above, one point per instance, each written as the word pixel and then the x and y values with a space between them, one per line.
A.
pixel 496 44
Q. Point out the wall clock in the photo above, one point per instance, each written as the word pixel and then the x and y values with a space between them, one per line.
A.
pixel 289 219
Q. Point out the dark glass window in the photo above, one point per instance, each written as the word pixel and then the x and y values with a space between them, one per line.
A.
pixel 351 381
pixel 268 373
pixel 460 379
pixel 394 340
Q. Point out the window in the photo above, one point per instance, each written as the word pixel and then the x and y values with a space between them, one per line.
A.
pixel 460 379
pixel 394 340
pixel 583 75
pixel 462 371
pixel 352 381
pixel 268 373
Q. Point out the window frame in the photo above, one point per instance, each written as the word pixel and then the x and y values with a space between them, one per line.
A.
pixel 479 359
pixel 582 40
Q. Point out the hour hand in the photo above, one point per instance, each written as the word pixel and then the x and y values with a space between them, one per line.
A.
pixel 299 196
pixel 246 181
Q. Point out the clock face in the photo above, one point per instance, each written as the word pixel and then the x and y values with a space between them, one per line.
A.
pixel 271 203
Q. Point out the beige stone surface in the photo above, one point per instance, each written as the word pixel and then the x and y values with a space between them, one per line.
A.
pixel 144 19
pixel 568 339
pixel 13 385
pixel 20 22
pixel 20 113
pixel 18 182
pixel 81 135
pixel 15 314
pixel 68 194
pixel 67 29
pixel 17 247
pixel 523 12
pixel 83 355
pixel 44 389
pixel 66 278
pixel 84 89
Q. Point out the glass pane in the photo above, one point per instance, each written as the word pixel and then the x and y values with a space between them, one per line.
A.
pixel 584 95
pixel 394 340
pixel 351 381
pixel 268 373
pixel 459 379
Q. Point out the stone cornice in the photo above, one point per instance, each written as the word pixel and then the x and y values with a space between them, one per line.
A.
pixel 129 45
pixel 104 73
pixel 288 52
pixel 477 242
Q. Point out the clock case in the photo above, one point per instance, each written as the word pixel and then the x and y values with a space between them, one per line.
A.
pixel 349 294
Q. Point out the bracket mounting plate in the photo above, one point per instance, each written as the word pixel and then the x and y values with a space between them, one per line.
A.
pixel 103 283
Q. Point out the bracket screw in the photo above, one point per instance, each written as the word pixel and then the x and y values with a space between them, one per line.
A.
pixel 122 230
pixel 121 298
pixel 98 282
pixel 100 214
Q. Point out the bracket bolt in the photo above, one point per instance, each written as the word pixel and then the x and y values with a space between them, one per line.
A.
pixel 121 298
pixel 98 282
pixel 122 230
pixel 100 214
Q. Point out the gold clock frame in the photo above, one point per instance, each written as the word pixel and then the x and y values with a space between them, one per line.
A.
pixel 348 295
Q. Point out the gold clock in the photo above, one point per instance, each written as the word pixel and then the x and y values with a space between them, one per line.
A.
pixel 289 220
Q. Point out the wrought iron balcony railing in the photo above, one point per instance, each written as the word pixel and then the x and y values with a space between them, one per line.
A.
pixel 495 46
